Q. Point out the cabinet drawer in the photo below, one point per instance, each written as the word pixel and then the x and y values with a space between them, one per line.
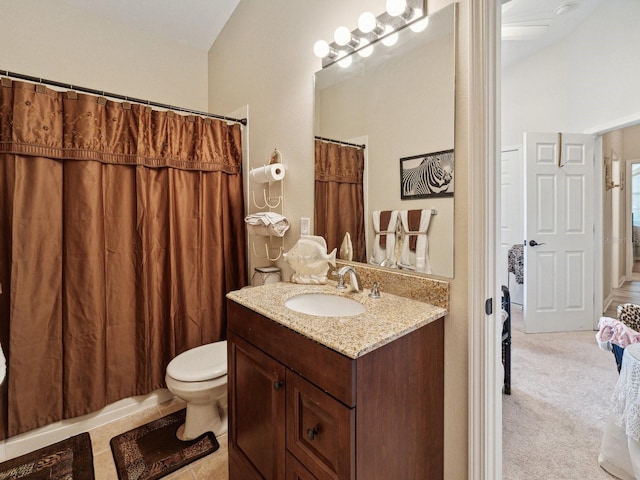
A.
pixel 296 471
pixel 320 430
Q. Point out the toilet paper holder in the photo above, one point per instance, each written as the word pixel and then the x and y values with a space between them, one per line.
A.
pixel 270 202
pixel 263 176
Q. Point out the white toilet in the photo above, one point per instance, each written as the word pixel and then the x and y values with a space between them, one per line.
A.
pixel 199 377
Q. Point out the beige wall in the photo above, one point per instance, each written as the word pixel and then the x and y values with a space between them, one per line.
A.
pixel 631 143
pixel 264 59
pixel 48 39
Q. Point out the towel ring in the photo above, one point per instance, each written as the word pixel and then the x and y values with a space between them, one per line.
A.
pixel 266 249
pixel 266 201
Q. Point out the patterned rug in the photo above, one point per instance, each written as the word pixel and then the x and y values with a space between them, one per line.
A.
pixel 70 459
pixel 153 450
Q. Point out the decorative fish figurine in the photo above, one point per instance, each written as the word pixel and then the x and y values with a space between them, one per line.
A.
pixel 346 248
pixel 310 262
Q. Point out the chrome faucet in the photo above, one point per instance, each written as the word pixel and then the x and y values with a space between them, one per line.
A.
pixel 375 290
pixel 355 278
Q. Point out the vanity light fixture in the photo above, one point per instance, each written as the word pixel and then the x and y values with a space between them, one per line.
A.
pixel 419 25
pixel 366 49
pixel 345 60
pixel 398 15
pixel 390 36
pixel 323 50
pixel 399 8
pixel 368 23
pixel 344 38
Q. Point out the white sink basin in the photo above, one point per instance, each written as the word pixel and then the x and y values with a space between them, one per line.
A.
pixel 324 305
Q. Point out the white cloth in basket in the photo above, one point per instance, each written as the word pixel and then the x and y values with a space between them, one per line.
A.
pixel 268 224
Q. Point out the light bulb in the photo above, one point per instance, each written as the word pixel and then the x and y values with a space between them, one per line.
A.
pixel 367 22
pixel 419 25
pixel 344 59
pixel 321 49
pixel 342 36
pixel 389 38
pixel 396 7
pixel 366 49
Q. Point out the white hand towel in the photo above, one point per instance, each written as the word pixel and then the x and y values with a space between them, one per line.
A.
pixel 388 253
pixel 268 224
pixel 419 259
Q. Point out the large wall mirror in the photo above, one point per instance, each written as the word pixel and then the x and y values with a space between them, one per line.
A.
pixel 396 107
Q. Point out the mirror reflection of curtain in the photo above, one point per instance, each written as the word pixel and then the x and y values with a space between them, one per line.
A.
pixel 121 231
pixel 339 196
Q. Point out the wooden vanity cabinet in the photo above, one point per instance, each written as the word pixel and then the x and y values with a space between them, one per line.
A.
pixel 301 411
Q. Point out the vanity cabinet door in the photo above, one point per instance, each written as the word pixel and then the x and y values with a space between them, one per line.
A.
pixel 296 471
pixel 320 430
pixel 256 413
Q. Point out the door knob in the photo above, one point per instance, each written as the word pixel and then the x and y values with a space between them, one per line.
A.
pixel 312 433
pixel 533 243
pixel 278 385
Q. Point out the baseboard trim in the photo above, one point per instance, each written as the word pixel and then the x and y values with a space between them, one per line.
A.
pixel 607 302
pixel 41 437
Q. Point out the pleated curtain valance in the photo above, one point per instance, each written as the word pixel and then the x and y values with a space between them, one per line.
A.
pixel 338 163
pixel 41 122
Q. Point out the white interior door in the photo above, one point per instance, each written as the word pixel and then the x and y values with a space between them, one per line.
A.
pixel 511 216
pixel 559 228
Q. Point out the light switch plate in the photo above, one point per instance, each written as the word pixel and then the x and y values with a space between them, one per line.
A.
pixel 305 226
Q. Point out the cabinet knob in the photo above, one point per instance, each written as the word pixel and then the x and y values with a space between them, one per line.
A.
pixel 278 385
pixel 312 433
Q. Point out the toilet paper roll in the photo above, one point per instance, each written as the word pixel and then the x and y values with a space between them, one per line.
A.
pixel 268 173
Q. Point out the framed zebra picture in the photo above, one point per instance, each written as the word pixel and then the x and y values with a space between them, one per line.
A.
pixel 428 175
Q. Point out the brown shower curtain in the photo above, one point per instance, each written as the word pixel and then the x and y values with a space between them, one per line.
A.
pixel 339 197
pixel 121 231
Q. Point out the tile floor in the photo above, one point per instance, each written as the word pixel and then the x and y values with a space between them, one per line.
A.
pixel 211 467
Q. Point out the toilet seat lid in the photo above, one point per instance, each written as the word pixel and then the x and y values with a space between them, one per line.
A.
pixel 205 362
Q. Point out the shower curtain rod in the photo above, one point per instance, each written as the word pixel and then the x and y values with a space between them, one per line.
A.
pixel 101 93
pixel 340 142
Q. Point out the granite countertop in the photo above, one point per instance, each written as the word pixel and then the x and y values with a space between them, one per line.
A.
pixel 385 319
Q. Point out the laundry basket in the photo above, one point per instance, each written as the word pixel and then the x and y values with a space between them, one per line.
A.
pixel 629 314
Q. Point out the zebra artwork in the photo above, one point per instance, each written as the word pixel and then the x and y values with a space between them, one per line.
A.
pixel 428 175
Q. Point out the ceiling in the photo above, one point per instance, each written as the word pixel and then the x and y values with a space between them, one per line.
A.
pixel 531 25
pixel 528 25
pixel 195 23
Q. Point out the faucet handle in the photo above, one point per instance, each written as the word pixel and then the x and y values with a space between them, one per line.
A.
pixel 340 285
pixel 375 290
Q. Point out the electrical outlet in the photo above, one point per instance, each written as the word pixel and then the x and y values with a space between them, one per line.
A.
pixel 305 226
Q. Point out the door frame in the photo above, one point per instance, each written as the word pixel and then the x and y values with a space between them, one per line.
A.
pixel 485 419
pixel 485 396
pixel 598 232
pixel 485 369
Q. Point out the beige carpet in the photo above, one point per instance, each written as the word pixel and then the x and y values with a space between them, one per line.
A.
pixel 554 418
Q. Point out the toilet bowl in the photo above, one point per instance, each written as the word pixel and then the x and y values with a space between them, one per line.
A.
pixel 199 377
